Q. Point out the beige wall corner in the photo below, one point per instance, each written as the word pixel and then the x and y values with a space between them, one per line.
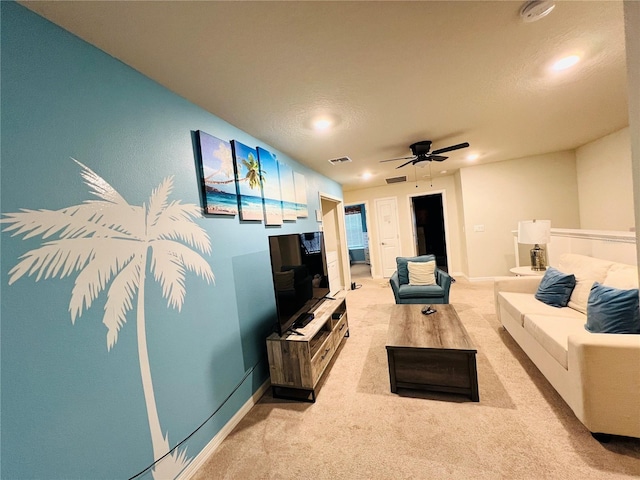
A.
pixel 605 184
pixel 632 29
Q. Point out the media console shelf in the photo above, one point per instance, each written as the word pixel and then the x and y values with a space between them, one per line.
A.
pixel 297 362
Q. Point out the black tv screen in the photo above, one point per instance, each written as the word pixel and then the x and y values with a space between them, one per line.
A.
pixel 300 281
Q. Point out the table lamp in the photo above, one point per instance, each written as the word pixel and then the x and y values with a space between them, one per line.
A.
pixel 535 232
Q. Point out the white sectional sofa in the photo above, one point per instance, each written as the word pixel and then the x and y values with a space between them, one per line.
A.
pixel 597 374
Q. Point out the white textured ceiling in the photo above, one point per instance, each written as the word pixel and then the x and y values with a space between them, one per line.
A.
pixel 392 73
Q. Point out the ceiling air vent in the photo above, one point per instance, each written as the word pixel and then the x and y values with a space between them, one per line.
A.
pixel 336 161
pixel 397 179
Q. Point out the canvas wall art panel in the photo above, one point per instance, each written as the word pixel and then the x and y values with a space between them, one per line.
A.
pixel 218 177
pixel 270 188
pixel 300 185
pixel 288 191
pixel 249 179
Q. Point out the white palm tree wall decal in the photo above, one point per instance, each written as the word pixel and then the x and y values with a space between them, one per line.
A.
pixel 109 243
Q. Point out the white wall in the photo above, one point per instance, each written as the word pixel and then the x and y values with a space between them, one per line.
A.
pixel 605 185
pixel 403 192
pixel 632 33
pixel 498 195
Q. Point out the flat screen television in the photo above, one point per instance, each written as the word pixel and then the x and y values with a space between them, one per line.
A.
pixel 300 281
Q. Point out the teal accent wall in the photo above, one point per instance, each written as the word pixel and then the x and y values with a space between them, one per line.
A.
pixel 69 407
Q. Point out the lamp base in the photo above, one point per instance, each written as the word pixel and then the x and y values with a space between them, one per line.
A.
pixel 538 262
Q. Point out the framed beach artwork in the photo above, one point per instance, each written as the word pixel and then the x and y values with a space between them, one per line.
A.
pixel 249 180
pixel 300 185
pixel 218 178
pixel 270 188
pixel 288 192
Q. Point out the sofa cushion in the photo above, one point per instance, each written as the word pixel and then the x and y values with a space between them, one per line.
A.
pixel 422 273
pixel 403 270
pixel 555 288
pixel 612 310
pixel 587 271
pixel 419 291
pixel 520 304
pixel 622 276
pixel 552 333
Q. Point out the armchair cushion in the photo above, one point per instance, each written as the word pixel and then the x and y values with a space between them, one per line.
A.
pixel 403 269
pixel 420 291
pixel 422 273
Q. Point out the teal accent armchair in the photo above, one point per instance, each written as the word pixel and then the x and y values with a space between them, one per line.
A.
pixel 405 293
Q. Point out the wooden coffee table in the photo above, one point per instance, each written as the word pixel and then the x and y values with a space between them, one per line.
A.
pixel 431 352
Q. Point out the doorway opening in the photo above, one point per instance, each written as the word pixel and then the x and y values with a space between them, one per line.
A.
pixel 429 227
pixel 358 240
pixel 332 212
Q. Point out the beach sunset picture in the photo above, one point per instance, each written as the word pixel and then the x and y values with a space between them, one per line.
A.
pixel 301 195
pixel 220 196
pixel 270 188
pixel 249 180
pixel 288 192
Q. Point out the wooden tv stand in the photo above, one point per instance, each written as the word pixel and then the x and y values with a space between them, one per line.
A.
pixel 297 362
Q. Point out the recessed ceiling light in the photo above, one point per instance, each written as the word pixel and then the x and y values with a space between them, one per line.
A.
pixel 472 157
pixel 322 123
pixel 566 62
pixel 366 175
pixel 442 172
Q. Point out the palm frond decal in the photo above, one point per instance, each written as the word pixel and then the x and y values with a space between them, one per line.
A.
pixel 99 186
pixel 108 242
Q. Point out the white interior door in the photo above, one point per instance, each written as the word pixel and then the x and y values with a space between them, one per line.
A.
pixel 388 233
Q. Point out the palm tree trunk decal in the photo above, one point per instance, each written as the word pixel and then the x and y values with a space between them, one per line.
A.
pixel 159 448
pixel 109 242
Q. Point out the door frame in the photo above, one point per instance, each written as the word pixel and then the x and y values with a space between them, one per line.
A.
pixel 414 230
pixel 343 252
pixel 379 242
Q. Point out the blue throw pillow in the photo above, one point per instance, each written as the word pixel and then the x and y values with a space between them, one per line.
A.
pixel 556 287
pixel 611 310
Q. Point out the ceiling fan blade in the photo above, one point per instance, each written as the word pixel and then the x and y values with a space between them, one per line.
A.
pixel 399 158
pixel 413 160
pixel 437 158
pixel 451 148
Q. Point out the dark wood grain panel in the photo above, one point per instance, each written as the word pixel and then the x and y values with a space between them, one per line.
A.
pixel 432 367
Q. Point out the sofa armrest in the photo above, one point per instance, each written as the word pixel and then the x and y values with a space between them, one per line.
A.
pixel 516 284
pixel 444 280
pixel 606 370
pixel 513 284
pixel 395 285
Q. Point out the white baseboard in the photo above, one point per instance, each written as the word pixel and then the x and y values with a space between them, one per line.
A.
pixel 215 442
pixel 472 279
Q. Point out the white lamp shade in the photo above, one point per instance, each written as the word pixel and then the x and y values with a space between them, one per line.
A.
pixel 534 231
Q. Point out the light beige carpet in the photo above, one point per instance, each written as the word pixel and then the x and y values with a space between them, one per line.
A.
pixel 358 429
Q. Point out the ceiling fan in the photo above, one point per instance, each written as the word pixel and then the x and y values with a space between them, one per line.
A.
pixel 420 151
